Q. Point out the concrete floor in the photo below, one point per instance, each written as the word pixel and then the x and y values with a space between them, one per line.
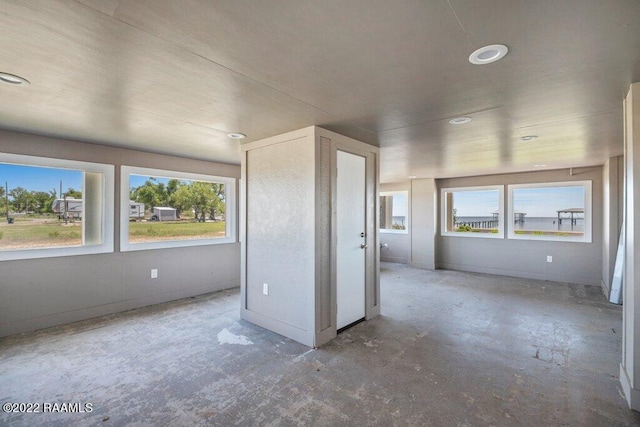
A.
pixel 451 349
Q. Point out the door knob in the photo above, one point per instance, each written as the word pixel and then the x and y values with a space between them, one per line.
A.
pixel 363 246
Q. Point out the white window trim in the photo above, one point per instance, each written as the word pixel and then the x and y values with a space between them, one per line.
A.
pixel 108 183
pixel 393 231
pixel 387 231
pixel 443 212
pixel 230 214
pixel 588 212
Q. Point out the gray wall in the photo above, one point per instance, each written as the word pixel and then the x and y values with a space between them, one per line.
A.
pixel 418 247
pixel 39 293
pixel 280 232
pixel 398 243
pixel 572 262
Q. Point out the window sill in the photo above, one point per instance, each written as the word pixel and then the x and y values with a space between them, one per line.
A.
pixel 473 235
pixel 551 238
pixel 127 247
pixel 394 231
pixel 53 252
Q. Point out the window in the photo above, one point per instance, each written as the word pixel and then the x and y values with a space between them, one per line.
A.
pixel 394 212
pixel 472 211
pixel 164 209
pixel 53 207
pixel 558 211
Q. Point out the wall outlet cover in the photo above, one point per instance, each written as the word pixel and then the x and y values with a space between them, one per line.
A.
pixel 154 273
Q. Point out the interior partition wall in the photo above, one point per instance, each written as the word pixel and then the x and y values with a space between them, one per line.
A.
pixel 288 232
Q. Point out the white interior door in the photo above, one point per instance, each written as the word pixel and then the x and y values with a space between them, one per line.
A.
pixel 351 239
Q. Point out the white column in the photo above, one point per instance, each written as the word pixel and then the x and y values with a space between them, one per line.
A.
pixel 422 252
pixel 630 366
pixel 612 179
pixel 93 195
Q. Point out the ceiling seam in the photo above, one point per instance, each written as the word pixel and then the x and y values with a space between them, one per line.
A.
pixel 220 65
pixel 470 44
pixel 468 113
pixel 555 122
pixel 240 74
pixel 79 3
pixel 264 84
pixel 169 117
pixel 113 14
pixel 458 19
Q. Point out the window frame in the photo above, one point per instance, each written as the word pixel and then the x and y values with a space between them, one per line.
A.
pixel 230 209
pixel 106 211
pixel 395 231
pixel 588 211
pixel 443 212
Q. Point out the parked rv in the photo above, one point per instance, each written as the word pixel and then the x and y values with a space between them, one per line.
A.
pixel 67 208
pixel 136 210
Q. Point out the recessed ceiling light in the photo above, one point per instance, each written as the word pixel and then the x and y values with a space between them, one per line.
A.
pixel 528 138
pixel 412 177
pixel 236 135
pixel 12 79
pixel 460 120
pixel 539 166
pixel 488 54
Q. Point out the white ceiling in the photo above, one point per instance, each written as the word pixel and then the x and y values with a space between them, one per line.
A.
pixel 176 76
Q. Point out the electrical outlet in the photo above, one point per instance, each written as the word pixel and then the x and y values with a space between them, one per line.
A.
pixel 265 288
pixel 154 273
pixel 549 258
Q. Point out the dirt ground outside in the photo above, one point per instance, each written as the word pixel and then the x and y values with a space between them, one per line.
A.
pixel 48 232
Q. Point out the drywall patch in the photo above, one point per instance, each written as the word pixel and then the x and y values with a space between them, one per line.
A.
pixel 226 337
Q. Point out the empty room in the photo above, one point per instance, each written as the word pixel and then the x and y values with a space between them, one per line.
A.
pixel 285 212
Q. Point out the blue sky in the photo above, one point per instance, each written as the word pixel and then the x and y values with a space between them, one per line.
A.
pixel 138 180
pixel 35 178
pixel 475 203
pixel 535 202
pixel 528 200
pixel 399 204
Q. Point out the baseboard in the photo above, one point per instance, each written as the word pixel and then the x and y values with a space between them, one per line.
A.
pixel 325 336
pixel 400 260
pixel 632 395
pixel 605 289
pixel 86 313
pixel 520 273
pixel 297 334
pixel 422 266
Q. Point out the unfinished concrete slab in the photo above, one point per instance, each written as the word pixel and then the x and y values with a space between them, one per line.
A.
pixel 450 348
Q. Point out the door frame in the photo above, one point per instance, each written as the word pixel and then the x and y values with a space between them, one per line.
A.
pixel 372 271
pixel 350 291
